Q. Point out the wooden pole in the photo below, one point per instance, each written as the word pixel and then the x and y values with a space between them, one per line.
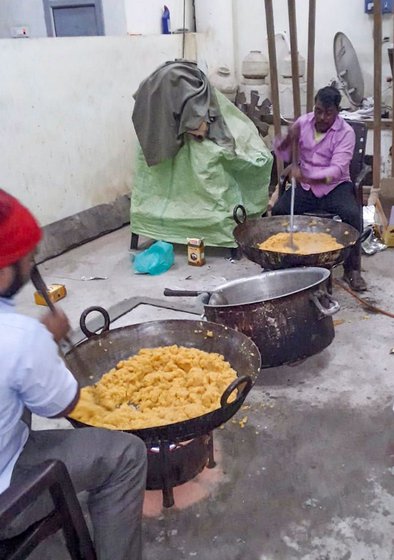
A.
pixel 310 71
pixel 377 77
pixel 294 58
pixel 392 105
pixel 269 16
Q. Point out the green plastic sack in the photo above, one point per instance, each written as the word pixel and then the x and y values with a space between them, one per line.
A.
pixel 194 194
pixel 158 258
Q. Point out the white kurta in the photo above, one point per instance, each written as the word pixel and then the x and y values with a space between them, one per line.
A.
pixel 32 375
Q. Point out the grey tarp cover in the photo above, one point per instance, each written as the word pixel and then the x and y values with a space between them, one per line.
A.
pixel 194 193
pixel 173 100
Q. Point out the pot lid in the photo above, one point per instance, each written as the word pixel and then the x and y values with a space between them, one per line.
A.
pixel 348 69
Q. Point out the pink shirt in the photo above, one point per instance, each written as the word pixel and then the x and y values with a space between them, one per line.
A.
pixel 330 157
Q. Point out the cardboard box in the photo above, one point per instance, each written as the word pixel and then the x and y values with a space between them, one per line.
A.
pixel 386 195
pixel 195 251
pixel 389 233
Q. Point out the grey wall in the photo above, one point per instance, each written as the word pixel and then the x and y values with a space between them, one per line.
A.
pixel 31 13
pixel 67 140
pixel 22 12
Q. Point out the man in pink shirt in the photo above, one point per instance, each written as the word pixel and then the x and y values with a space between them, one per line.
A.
pixel 325 145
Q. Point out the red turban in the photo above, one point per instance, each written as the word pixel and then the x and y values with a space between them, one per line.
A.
pixel 19 230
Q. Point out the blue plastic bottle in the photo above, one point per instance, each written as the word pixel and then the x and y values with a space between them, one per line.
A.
pixel 165 21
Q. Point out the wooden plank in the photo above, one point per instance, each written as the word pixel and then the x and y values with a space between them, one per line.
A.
pixel 294 58
pixel 269 17
pixel 392 105
pixel 385 124
pixel 310 70
pixel 377 38
pixel 381 214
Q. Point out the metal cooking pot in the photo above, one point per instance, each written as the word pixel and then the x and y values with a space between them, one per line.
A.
pixel 287 313
pixel 249 233
pixel 100 352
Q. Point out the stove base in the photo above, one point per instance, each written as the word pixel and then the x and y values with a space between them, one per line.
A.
pixel 170 465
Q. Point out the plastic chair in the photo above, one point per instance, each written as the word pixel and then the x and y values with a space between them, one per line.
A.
pixel 66 514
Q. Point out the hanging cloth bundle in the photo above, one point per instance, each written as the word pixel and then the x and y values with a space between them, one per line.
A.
pixel 176 99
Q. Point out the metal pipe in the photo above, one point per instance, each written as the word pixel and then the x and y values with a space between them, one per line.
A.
pixel 310 72
pixel 269 17
pixel 377 38
pixel 294 58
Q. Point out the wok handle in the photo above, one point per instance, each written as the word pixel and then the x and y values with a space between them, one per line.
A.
pixel 333 307
pixel 82 320
pixel 179 293
pixel 244 380
pixel 237 209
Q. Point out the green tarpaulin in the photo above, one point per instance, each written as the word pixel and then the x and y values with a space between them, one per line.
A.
pixel 194 193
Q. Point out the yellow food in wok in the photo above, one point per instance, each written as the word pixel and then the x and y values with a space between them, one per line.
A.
pixel 157 386
pixel 306 243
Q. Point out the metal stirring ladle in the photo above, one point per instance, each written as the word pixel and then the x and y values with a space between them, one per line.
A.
pixel 41 287
pixel 291 243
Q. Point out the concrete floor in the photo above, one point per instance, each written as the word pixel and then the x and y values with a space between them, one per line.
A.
pixel 311 475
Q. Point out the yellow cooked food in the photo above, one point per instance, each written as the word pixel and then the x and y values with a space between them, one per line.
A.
pixel 157 386
pixel 306 243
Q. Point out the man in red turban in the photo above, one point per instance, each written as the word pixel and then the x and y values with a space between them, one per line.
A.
pixel 110 465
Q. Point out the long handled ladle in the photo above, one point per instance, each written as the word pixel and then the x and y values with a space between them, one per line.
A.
pixel 41 287
pixel 291 243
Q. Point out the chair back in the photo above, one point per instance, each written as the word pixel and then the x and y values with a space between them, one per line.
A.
pixel 357 162
pixel 65 513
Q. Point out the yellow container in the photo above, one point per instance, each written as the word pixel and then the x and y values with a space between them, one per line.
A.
pixel 55 292
pixel 389 233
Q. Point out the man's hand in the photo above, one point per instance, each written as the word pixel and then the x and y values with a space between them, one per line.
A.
pixel 57 324
pixel 295 172
pixel 292 138
pixel 294 133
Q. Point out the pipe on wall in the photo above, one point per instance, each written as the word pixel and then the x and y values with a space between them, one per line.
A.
pixel 216 19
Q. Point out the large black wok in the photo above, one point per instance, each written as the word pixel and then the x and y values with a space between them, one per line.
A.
pixel 250 232
pixel 100 352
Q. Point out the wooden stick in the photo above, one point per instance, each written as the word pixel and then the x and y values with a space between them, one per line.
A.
pixel 377 38
pixel 294 58
pixel 269 16
pixel 382 215
pixel 310 71
pixel 392 105
pixel 364 302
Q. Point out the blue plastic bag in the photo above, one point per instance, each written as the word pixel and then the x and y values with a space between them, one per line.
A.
pixel 158 258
